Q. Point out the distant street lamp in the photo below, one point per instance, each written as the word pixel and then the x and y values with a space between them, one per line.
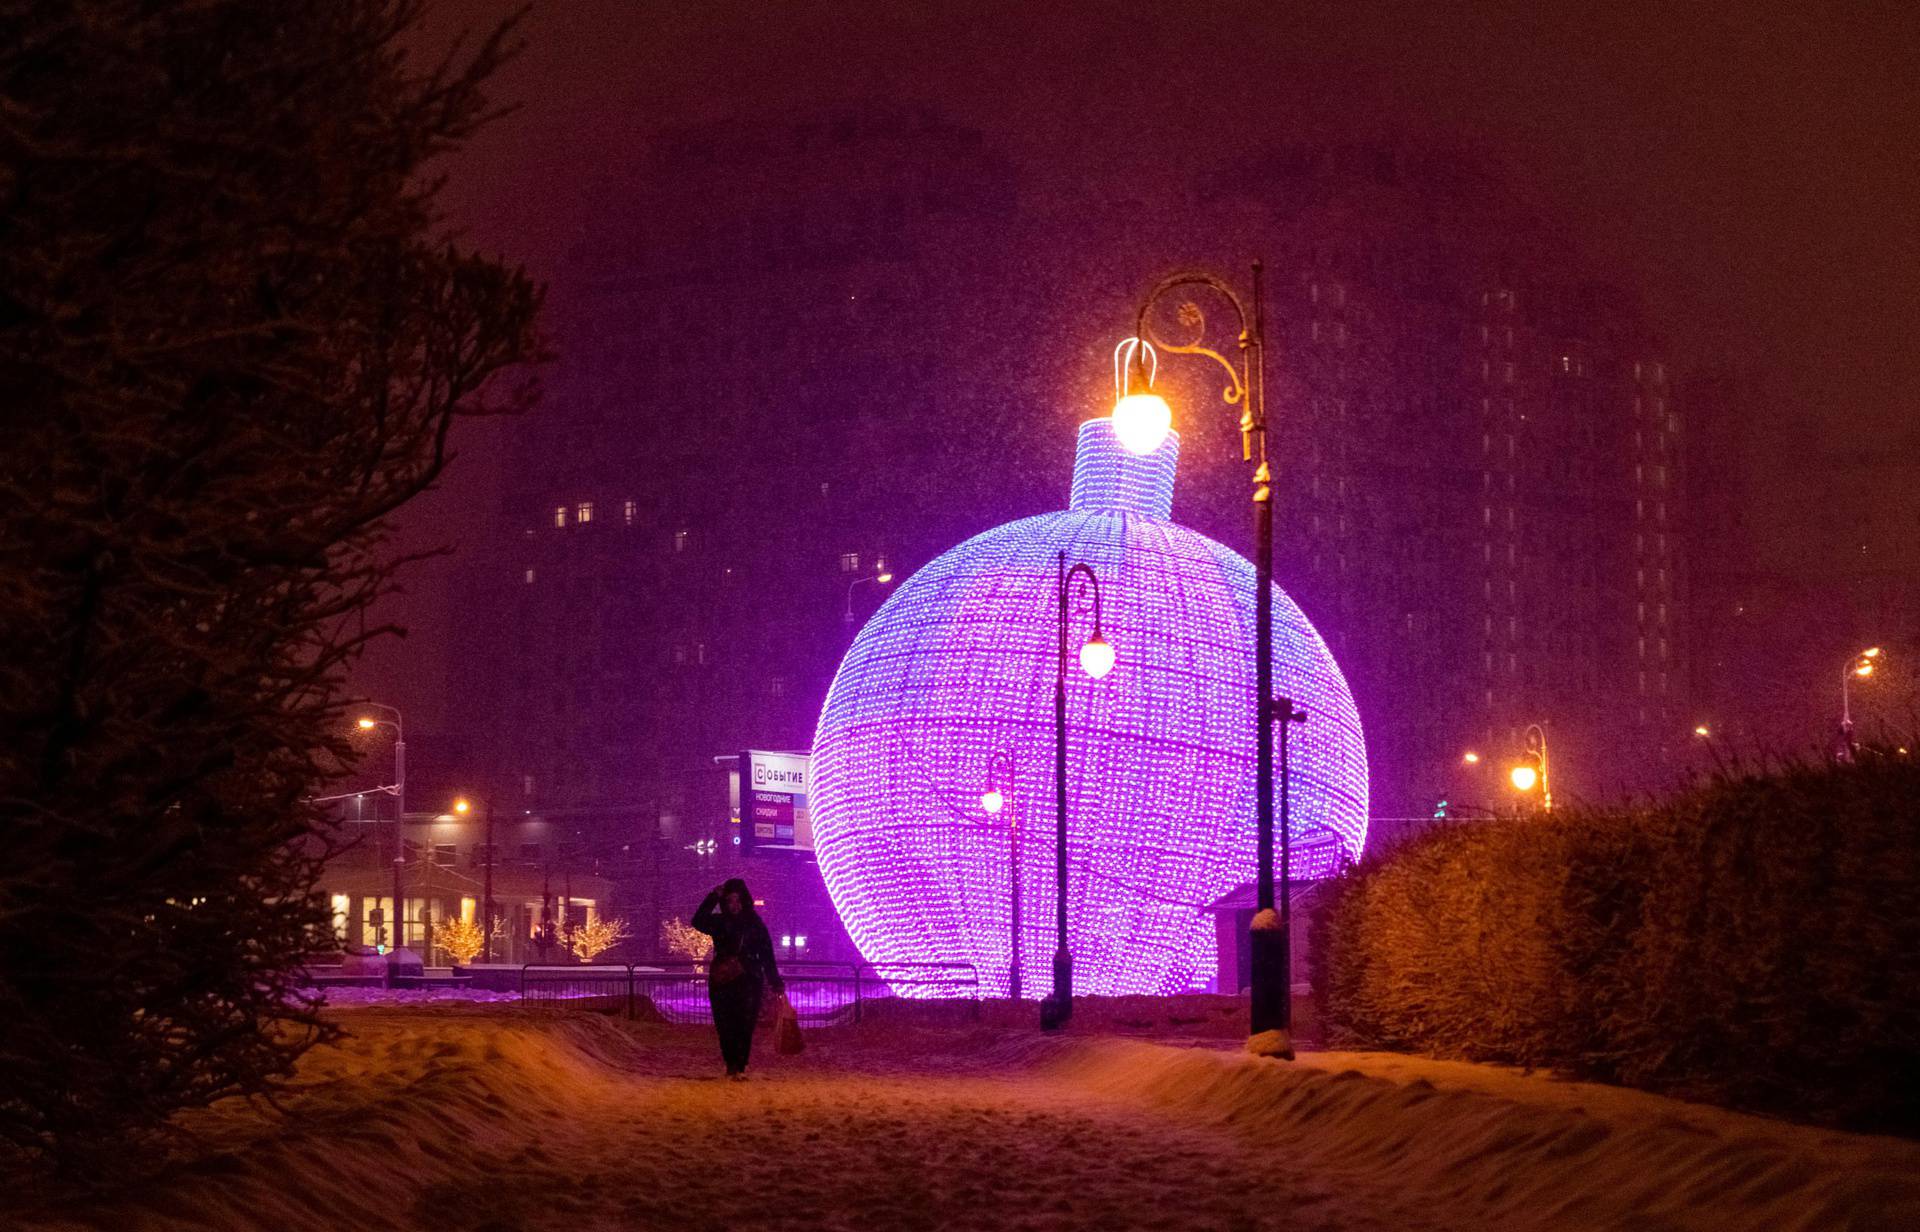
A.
pixel 1141 420
pixel 463 807
pixel 993 800
pixel 1531 772
pixel 881 576
pixel 1096 660
pixel 1703 731
pixel 1860 665
pixel 399 817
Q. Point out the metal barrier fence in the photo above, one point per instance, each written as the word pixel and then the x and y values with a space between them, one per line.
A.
pixel 823 994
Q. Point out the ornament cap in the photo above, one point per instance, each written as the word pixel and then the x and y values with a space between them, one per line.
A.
pixel 1108 478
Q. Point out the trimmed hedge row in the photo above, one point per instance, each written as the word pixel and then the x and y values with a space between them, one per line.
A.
pixel 1753 942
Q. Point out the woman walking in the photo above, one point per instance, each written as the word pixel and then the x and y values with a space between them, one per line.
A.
pixel 742 963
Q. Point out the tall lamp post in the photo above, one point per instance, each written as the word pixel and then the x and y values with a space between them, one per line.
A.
pixel 1141 419
pixel 399 815
pixel 462 806
pixel 1860 665
pixel 880 577
pixel 1000 776
pixel 1079 591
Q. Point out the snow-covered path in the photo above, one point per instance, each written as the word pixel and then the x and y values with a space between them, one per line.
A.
pixel 486 1120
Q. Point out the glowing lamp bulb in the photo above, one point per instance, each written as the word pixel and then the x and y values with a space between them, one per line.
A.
pixel 1865 669
pixel 1524 777
pixel 993 802
pixel 366 724
pixel 1142 422
pixel 1471 758
pixel 884 578
pixel 461 806
pixel 1096 657
pixel 1871 652
pixel 1702 730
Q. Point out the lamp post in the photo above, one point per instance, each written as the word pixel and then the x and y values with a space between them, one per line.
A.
pixel 880 577
pixel 999 776
pixel 1860 665
pixel 462 806
pixel 1140 421
pixel 1079 591
pixel 1531 771
pixel 399 816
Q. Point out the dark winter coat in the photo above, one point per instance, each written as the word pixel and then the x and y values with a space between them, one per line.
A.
pixel 742 947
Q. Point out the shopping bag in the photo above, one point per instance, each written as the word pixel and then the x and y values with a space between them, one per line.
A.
pixel 786 1029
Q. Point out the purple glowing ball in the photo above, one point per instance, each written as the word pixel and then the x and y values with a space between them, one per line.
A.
pixel 960 662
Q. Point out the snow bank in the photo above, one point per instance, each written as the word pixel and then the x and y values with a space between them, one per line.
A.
pixel 450 1115
pixel 1520 1151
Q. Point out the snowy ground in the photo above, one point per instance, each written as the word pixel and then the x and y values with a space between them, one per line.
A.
pixel 493 1119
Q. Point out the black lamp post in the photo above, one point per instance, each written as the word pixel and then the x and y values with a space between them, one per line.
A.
pixel 1096 659
pixel 1246 389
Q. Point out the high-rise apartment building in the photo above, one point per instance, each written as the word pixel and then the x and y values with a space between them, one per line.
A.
pixel 829 348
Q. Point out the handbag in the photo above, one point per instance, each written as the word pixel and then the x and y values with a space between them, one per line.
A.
pixel 786 1029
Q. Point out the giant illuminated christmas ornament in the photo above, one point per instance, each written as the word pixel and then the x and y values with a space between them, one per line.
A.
pixel 960 662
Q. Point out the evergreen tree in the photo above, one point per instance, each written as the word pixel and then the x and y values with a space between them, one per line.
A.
pixel 233 336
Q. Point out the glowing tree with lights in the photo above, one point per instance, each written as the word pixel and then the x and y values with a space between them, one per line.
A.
pixel 960 662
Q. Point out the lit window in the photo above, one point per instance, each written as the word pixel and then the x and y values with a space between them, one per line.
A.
pixel 849 562
pixel 583 512
pixel 529 577
pixel 629 509
pixel 679 540
pixel 700 653
pixel 526 784
pixel 777 685
pixel 560 515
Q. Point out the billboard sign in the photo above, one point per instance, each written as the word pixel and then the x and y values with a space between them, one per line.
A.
pixel 774 814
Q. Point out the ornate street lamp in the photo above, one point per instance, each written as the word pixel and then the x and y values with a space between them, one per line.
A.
pixel 1079 591
pixel 993 800
pixel 1141 420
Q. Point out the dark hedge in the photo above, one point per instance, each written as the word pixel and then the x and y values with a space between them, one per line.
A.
pixel 1753 942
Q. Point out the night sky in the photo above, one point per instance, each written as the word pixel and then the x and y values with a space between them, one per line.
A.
pixel 1751 175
